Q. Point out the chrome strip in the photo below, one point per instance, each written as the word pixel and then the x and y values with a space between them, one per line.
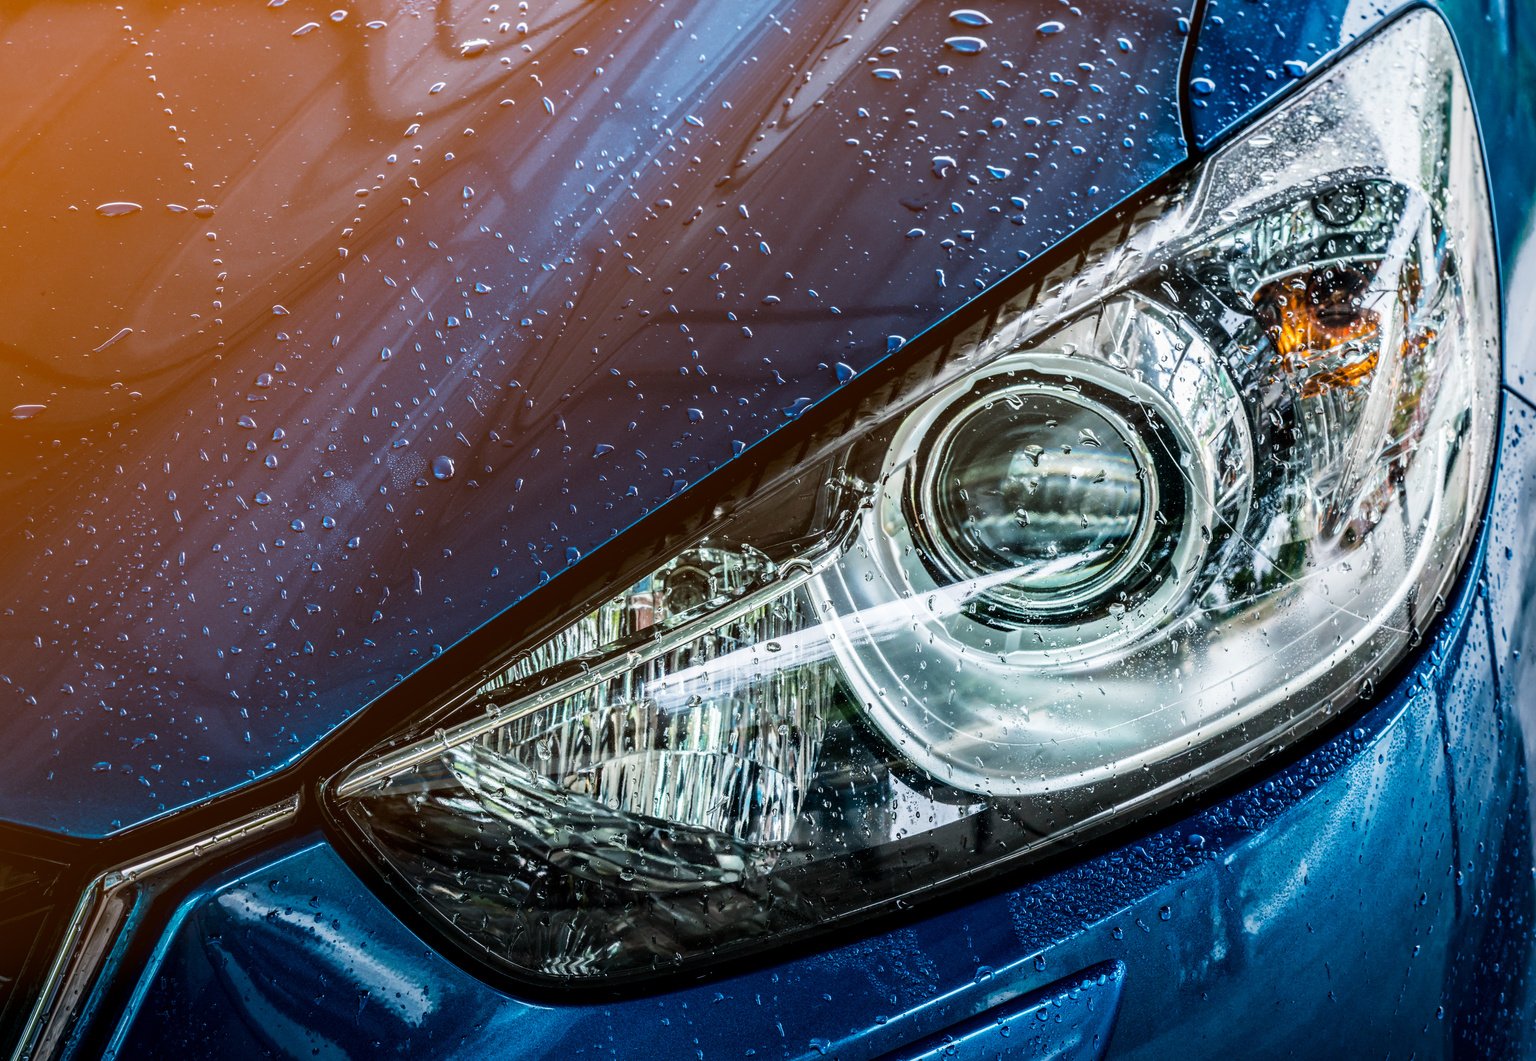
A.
pixel 98 918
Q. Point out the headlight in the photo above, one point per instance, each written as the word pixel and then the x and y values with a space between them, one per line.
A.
pixel 1148 520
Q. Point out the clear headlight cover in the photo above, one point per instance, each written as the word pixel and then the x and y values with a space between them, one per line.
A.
pixel 1155 516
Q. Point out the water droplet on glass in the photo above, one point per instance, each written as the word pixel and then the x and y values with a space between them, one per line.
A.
pixel 118 209
pixel 442 467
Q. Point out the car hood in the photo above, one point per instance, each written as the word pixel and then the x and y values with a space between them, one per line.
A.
pixel 332 335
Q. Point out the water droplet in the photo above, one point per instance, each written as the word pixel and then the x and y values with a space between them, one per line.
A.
pixel 966 45
pixel 27 411
pixel 967 17
pixel 470 49
pixel 1202 86
pixel 1047 29
pixel 887 73
pixel 118 209
pixel 120 334
pixel 442 467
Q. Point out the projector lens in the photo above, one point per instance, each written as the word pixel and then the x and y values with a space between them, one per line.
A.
pixel 1037 480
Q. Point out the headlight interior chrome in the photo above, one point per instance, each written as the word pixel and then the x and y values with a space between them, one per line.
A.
pixel 1154 516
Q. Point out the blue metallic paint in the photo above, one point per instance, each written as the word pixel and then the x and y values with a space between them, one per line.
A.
pixel 679 254
pixel 1372 897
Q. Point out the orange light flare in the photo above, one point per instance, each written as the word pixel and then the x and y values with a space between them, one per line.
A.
pixel 1321 314
pixel 1324 330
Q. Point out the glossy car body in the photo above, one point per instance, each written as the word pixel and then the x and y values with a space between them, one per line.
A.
pixel 189 643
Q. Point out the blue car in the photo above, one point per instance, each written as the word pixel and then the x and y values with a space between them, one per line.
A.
pixel 777 529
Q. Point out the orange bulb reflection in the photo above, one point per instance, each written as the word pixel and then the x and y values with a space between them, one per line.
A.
pixel 1320 315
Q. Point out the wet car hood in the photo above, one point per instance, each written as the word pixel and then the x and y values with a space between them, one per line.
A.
pixel 330 336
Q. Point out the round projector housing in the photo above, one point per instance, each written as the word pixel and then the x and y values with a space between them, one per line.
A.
pixel 1036 520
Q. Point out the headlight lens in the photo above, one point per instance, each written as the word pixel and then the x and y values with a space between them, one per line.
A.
pixel 1152 518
